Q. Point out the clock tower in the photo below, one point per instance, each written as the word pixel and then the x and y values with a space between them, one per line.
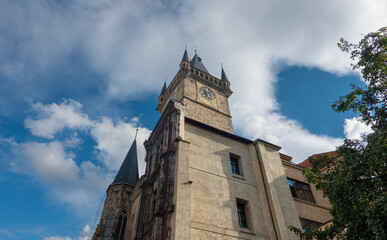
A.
pixel 201 180
pixel 204 96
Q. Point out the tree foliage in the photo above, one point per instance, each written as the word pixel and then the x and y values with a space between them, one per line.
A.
pixel 355 181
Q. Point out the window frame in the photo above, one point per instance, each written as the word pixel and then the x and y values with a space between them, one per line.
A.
pixel 107 230
pixel 308 225
pixel 244 216
pixel 301 190
pixel 235 165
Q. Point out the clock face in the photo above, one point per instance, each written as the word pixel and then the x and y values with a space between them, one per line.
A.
pixel 207 93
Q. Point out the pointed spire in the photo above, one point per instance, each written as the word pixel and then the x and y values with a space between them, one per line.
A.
pixel 196 62
pixel 164 87
pixel 128 173
pixel 223 76
pixel 185 56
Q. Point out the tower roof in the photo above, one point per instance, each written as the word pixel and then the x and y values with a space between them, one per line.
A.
pixel 164 88
pixel 185 56
pixel 196 62
pixel 128 173
pixel 224 76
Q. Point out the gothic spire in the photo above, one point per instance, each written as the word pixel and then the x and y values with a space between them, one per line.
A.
pixel 164 88
pixel 224 76
pixel 185 56
pixel 128 173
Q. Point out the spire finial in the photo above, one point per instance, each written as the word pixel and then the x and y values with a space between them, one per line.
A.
pixel 196 49
pixel 135 137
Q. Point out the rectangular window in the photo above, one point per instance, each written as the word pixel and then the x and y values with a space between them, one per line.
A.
pixel 308 225
pixel 235 165
pixel 242 215
pixel 300 190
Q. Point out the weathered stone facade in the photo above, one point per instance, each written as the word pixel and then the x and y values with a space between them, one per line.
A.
pixel 201 180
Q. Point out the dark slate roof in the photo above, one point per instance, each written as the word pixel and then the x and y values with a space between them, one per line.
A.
pixel 128 173
pixel 196 62
pixel 185 56
pixel 224 76
pixel 164 89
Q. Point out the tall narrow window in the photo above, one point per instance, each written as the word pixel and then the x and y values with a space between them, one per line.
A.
pixel 121 226
pixel 235 165
pixel 300 190
pixel 242 215
pixel 108 226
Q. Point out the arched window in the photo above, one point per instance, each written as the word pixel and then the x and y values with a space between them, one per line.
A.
pixel 108 225
pixel 121 225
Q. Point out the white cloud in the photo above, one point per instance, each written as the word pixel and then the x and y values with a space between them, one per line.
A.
pixel 86 233
pixel 57 238
pixel 53 118
pixel 49 161
pixel 71 181
pixel 76 186
pixel 115 139
pixel 354 128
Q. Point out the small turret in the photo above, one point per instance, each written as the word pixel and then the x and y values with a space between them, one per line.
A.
pixel 185 56
pixel 223 75
pixel 164 88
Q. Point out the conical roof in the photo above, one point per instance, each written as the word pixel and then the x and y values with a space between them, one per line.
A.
pixel 196 62
pixel 164 88
pixel 185 56
pixel 224 76
pixel 128 173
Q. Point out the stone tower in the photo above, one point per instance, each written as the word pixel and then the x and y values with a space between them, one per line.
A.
pixel 201 180
pixel 204 96
pixel 122 201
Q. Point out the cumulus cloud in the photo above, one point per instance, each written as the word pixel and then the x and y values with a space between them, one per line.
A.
pixel 76 186
pixel 53 118
pixel 49 160
pixel 115 139
pixel 354 128
pixel 133 44
pixel 86 234
pixel 73 182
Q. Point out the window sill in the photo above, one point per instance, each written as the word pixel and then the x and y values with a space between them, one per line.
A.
pixel 310 203
pixel 247 230
pixel 238 176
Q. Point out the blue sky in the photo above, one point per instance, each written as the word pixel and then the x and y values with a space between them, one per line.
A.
pixel 78 77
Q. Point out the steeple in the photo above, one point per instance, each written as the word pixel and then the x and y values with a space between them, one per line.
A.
pixel 196 62
pixel 224 76
pixel 185 56
pixel 164 88
pixel 128 173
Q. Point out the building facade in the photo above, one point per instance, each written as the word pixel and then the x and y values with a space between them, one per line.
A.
pixel 202 181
